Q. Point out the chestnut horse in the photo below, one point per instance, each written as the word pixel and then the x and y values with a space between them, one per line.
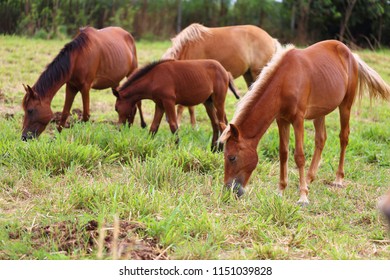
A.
pixel 171 82
pixel 297 85
pixel 243 50
pixel 95 59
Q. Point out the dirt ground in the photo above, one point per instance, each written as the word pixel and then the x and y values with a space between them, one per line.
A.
pixel 68 239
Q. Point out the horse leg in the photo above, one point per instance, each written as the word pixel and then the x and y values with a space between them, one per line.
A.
pixel 85 99
pixel 284 139
pixel 210 109
pixel 179 113
pixel 299 157
pixel 248 78
pixel 345 112
pixel 69 98
pixel 191 110
pixel 143 123
pixel 320 139
pixel 172 121
pixel 158 113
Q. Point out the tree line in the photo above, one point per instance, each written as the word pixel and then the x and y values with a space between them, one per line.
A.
pixel 363 23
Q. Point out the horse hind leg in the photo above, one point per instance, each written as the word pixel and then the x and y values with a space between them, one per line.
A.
pixel 345 112
pixel 211 112
pixel 172 120
pixel 320 139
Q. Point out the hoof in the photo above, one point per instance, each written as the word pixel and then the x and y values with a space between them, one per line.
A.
pixel 337 185
pixel 303 202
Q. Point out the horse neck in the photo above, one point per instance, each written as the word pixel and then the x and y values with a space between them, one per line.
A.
pixel 48 84
pixel 138 91
pixel 51 91
pixel 257 119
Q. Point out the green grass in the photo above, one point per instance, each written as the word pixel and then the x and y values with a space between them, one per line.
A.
pixel 172 196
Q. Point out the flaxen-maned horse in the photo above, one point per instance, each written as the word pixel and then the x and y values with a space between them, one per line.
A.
pixel 95 59
pixel 171 82
pixel 297 85
pixel 243 50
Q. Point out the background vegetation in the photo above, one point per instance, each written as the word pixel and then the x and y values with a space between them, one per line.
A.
pixel 357 22
pixel 99 191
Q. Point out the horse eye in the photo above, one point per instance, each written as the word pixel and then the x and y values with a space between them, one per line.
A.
pixel 232 158
pixel 30 111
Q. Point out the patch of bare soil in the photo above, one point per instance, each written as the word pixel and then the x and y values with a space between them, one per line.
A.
pixel 75 116
pixel 126 244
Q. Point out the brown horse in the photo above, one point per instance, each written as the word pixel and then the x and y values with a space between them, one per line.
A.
pixel 297 85
pixel 243 50
pixel 95 59
pixel 171 82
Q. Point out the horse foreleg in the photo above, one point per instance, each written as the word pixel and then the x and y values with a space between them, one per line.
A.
pixel 69 98
pixel 85 99
pixel 299 157
pixel 284 139
pixel 344 136
pixel 158 113
pixel 320 139
pixel 139 105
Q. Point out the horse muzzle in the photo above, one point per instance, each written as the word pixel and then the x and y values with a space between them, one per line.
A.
pixel 236 187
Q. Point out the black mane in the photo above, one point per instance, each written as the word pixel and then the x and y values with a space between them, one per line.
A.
pixel 141 72
pixel 59 68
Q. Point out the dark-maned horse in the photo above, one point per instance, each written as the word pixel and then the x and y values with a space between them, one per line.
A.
pixel 95 59
pixel 171 82
pixel 243 50
pixel 297 85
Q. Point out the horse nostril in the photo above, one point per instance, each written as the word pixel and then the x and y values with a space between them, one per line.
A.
pixel 24 138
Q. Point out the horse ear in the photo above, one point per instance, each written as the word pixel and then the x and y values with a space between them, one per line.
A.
pixel 115 92
pixel 235 133
pixel 29 91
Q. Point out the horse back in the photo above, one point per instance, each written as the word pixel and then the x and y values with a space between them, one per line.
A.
pixel 191 81
pixel 322 79
pixel 110 57
pixel 237 48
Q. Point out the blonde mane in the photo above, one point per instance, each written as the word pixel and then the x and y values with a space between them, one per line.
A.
pixel 255 90
pixel 192 33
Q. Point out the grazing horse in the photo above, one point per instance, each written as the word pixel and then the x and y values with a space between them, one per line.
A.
pixel 171 82
pixel 297 85
pixel 95 59
pixel 243 50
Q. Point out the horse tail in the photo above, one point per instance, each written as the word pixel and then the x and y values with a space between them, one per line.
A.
pixel 232 87
pixel 370 80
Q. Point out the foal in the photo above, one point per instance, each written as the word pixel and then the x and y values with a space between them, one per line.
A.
pixel 171 82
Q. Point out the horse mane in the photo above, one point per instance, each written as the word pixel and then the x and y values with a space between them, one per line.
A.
pixel 192 33
pixel 141 72
pixel 59 68
pixel 256 90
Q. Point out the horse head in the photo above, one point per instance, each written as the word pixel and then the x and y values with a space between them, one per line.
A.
pixel 37 114
pixel 240 158
pixel 125 109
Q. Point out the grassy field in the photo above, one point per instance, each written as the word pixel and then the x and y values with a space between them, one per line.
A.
pixel 94 191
